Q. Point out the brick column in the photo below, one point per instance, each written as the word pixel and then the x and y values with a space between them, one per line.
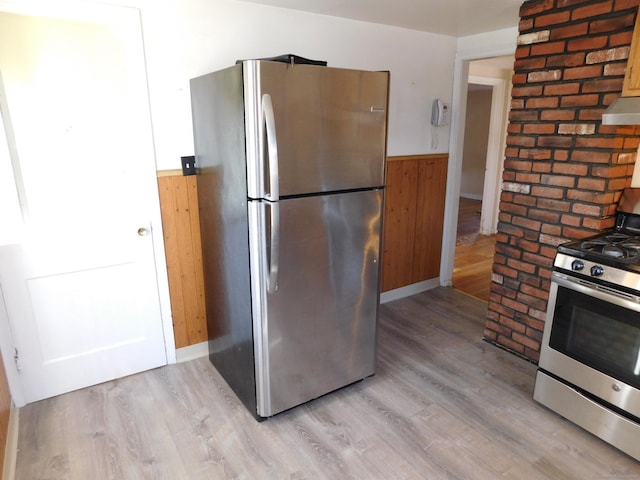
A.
pixel 564 171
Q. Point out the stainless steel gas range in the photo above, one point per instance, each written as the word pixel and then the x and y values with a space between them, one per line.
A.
pixel 589 369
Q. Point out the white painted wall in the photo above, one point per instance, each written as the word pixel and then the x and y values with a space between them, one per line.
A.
pixel 187 38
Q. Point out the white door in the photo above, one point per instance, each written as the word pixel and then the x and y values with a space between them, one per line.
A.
pixel 79 284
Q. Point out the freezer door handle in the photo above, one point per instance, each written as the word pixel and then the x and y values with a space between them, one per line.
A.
pixel 272 148
pixel 274 247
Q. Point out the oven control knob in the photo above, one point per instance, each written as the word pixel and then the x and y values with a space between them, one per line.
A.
pixel 597 271
pixel 577 265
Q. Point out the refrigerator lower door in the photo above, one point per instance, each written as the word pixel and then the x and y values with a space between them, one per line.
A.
pixel 315 330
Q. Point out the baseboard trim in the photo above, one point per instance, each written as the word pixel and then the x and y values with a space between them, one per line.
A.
pixel 11 448
pixel 409 290
pixel 192 352
pixel 471 196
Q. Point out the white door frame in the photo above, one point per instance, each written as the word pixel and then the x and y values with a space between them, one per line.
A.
pixel 7 341
pixel 87 11
pixel 456 145
pixel 8 350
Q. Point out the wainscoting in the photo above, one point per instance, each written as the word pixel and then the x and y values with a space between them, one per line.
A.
pixel 412 237
pixel 413 219
pixel 181 228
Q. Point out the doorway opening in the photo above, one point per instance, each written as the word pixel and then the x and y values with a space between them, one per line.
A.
pixel 480 174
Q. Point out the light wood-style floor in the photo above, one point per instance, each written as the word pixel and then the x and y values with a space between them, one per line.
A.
pixel 442 405
pixel 473 265
pixel 474 253
pixel 468 217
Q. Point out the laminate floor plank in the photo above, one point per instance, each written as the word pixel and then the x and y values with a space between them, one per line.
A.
pixel 45 430
pixel 443 404
pixel 463 387
pixel 92 448
pixel 327 446
pixel 361 435
pixel 205 427
pixel 400 436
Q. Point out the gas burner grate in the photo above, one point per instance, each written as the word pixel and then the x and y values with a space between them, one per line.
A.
pixel 615 245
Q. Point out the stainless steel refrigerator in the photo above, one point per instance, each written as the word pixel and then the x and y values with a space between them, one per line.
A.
pixel 290 159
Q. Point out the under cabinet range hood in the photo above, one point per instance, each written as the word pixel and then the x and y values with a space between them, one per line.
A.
pixel 623 111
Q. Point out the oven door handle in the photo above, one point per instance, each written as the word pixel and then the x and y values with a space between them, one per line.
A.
pixel 602 292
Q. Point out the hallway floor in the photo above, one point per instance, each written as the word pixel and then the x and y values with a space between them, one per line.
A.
pixel 474 252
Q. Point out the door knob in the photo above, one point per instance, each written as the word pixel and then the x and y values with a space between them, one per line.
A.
pixel 142 231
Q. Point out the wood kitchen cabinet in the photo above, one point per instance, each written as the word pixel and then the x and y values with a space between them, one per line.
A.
pixel 414 214
pixel 631 86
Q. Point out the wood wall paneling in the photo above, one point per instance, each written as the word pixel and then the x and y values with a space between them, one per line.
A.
pixel 432 182
pixel 412 237
pixel 414 214
pixel 399 223
pixel 181 226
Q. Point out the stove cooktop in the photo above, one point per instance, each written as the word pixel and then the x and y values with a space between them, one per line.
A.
pixel 617 249
pixel 615 245
pixel 609 254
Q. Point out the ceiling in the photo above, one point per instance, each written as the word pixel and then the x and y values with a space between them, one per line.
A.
pixel 456 18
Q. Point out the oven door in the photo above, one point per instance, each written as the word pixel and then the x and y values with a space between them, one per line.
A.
pixel 592 340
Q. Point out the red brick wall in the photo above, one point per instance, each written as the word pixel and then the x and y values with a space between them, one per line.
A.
pixel 564 170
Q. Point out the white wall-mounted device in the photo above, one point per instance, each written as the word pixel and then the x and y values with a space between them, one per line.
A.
pixel 439 113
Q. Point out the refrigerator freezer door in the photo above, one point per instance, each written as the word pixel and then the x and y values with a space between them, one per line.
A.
pixel 318 328
pixel 330 124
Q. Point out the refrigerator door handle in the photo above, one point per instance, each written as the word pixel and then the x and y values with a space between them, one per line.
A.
pixel 274 247
pixel 272 148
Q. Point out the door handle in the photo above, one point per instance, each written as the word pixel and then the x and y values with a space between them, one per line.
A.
pixel 142 231
pixel 274 247
pixel 272 149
